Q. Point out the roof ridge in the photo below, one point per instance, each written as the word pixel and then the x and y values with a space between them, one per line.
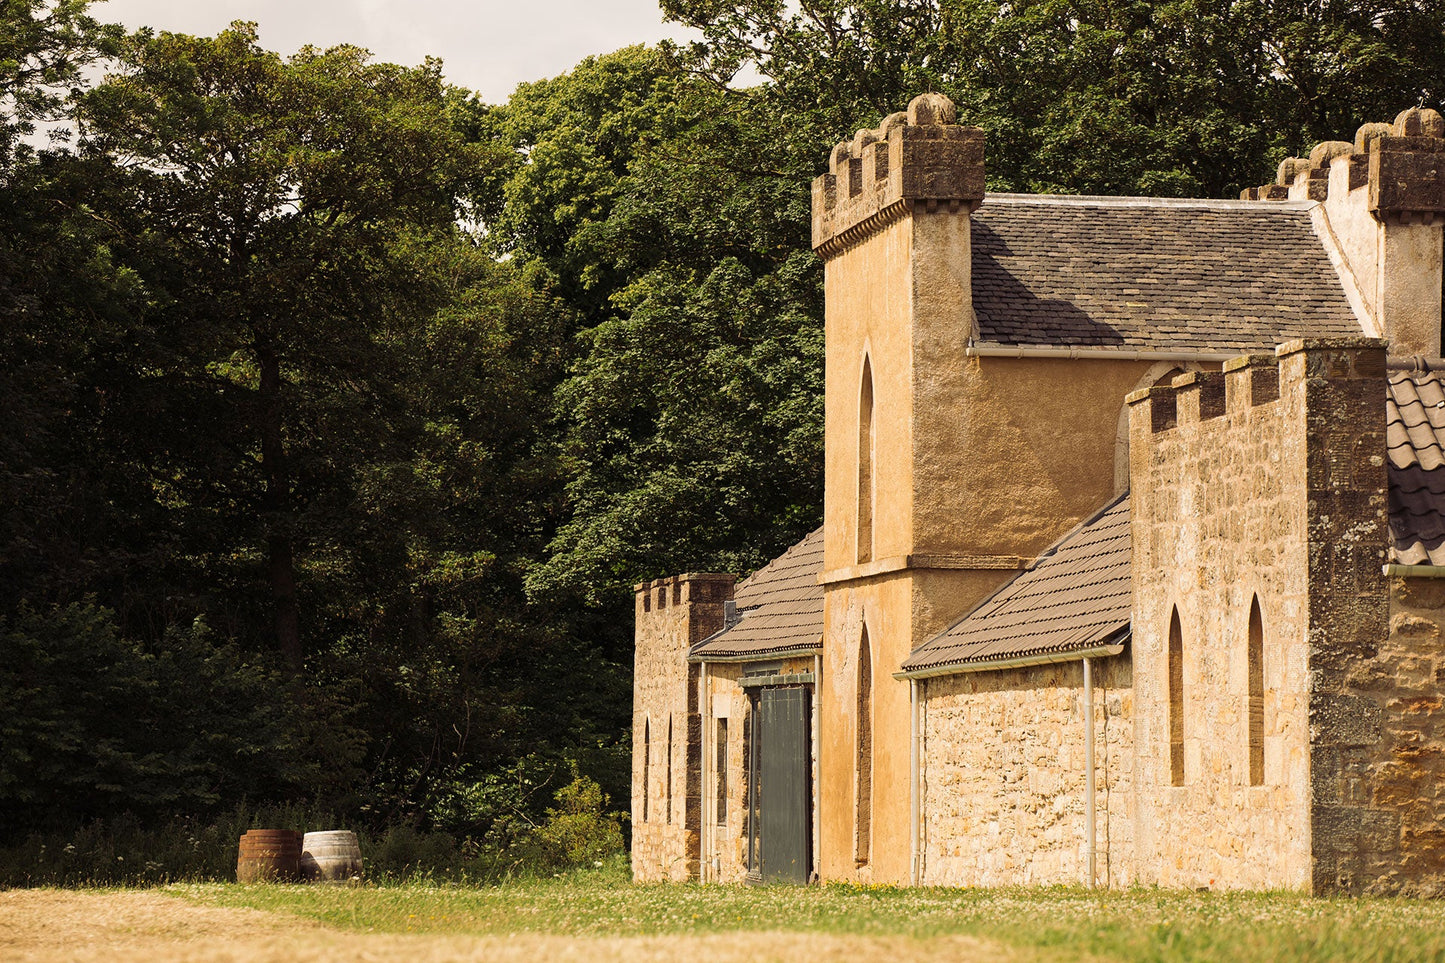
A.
pixel 1118 200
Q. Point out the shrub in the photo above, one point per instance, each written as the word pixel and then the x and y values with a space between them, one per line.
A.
pixel 579 830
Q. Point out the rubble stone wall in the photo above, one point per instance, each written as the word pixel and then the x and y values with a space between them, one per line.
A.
pixel 1272 486
pixel 672 615
pixel 1003 763
pixel 1401 778
pixel 1218 482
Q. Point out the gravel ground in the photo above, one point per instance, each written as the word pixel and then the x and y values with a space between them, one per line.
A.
pixel 137 926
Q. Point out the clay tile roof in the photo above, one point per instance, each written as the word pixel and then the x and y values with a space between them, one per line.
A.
pixel 780 607
pixel 1152 274
pixel 1415 440
pixel 1076 595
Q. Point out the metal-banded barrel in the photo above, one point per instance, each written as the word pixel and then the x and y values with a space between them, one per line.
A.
pixel 269 856
pixel 333 856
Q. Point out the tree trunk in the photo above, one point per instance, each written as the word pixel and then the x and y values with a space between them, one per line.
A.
pixel 281 564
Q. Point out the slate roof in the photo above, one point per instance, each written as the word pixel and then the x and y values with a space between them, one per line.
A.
pixel 1415 439
pixel 1076 595
pixel 1152 273
pixel 781 607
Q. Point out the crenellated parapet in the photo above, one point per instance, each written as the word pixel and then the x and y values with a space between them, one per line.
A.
pixel 918 156
pixel 1401 166
pixel 1260 496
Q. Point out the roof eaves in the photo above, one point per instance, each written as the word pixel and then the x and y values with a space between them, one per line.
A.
pixel 1109 648
pixel 761 655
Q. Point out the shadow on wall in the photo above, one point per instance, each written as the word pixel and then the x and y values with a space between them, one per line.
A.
pixel 1006 305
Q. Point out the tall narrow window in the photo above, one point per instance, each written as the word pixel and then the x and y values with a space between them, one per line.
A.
pixel 1176 701
pixel 722 772
pixel 646 766
pixel 865 752
pixel 669 769
pixel 865 466
pixel 1256 695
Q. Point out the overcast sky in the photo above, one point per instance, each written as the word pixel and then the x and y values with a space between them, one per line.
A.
pixel 489 46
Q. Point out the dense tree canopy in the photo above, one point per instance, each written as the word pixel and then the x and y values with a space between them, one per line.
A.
pixel 1186 97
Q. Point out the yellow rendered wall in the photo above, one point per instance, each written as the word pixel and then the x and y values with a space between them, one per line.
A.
pixel 979 462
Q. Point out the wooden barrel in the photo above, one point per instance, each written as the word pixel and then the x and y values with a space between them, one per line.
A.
pixel 269 856
pixel 332 857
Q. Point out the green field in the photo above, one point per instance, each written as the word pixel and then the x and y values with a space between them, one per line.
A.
pixel 1136 924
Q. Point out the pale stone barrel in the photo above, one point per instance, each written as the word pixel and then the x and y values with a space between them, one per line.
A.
pixel 332 857
pixel 268 856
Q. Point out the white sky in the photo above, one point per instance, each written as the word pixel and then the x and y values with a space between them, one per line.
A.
pixel 489 46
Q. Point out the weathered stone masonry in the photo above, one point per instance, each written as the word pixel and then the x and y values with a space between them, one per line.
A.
pixel 673 614
pixel 1004 761
pixel 1267 482
pixel 1219 519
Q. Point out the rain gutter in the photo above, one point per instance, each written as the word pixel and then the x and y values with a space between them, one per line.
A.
pixel 1415 571
pixel 768 656
pixel 974 350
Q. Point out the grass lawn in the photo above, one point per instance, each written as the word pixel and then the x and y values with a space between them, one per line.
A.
pixel 1140 924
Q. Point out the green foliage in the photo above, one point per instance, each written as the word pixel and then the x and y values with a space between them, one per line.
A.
pixel 263 381
pixel 691 418
pixel 579 830
pixel 45 45
pixel 96 724
pixel 1186 97
pixel 125 850
pixel 293 222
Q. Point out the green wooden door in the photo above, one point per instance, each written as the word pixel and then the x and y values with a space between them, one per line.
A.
pixel 783 792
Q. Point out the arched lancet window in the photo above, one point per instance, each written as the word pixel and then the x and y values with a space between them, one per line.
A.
pixel 1256 694
pixel 646 766
pixel 864 795
pixel 1176 701
pixel 669 768
pixel 865 465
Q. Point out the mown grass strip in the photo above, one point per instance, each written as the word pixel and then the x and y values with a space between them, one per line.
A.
pixel 1138 924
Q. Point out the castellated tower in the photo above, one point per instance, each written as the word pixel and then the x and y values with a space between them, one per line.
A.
pixel 891 222
pixel 1383 207
pixel 945 475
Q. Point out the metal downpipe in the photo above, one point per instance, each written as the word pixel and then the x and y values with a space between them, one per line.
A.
pixel 914 789
pixel 1090 827
pixel 704 854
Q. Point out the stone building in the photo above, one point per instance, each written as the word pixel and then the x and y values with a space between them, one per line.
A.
pixel 1130 566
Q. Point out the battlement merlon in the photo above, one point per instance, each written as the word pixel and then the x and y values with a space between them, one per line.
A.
pixel 912 157
pixel 1402 164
